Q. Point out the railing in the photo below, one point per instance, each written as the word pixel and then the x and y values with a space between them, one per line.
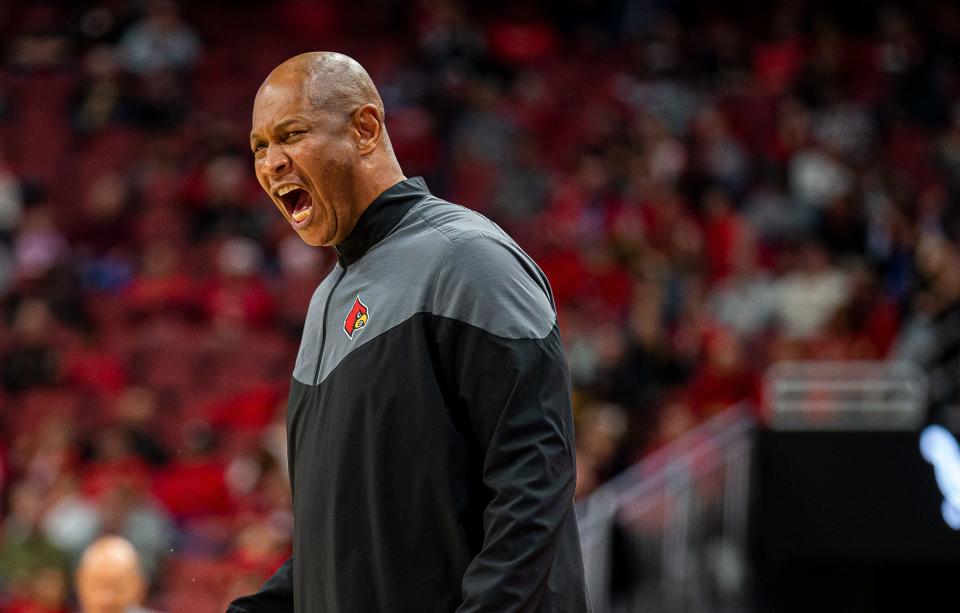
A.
pixel 670 534
pixel 850 395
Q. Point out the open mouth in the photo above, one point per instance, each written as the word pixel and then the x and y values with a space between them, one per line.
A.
pixel 297 201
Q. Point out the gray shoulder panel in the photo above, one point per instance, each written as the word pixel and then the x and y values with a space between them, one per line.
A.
pixel 492 284
pixel 442 259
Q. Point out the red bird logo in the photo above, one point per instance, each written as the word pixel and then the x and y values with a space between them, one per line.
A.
pixel 357 318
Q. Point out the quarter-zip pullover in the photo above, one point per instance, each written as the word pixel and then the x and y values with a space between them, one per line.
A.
pixel 430 434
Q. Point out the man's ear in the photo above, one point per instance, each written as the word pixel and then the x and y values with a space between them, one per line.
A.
pixel 368 128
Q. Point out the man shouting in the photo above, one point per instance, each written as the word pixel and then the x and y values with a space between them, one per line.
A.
pixel 429 423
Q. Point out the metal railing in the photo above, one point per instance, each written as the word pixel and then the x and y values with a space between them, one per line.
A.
pixel 670 534
pixel 846 395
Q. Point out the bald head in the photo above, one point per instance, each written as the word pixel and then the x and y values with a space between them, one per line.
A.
pixel 334 82
pixel 109 579
pixel 318 130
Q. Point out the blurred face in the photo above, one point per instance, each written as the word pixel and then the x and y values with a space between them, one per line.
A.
pixel 109 588
pixel 49 588
pixel 304 159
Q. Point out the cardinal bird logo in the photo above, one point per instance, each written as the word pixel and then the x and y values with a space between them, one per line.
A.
pixel 357 318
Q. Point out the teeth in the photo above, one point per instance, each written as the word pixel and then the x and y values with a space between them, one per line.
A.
pixel 301 215
pixel 286 189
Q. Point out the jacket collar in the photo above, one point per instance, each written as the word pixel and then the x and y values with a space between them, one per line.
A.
pixel 381 217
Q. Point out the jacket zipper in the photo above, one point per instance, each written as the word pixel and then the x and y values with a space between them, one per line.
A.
pixel 326 307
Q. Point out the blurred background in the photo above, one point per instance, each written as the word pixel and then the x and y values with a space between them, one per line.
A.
pixel 748 213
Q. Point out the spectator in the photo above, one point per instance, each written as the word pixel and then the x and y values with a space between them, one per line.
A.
pixel 109 578
pixel 600 449
pixel 807 297
pixel 32 570
pixel 160 41
pixel 100 98
pixel 744 301
pixel 30 359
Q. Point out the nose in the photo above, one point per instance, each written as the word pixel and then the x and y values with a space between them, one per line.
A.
pixel 276 162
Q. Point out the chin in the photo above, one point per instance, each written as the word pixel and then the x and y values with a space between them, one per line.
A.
pixel 313 239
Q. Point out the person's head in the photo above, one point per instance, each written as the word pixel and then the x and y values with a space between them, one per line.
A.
pixel 320 146
pixel 109 578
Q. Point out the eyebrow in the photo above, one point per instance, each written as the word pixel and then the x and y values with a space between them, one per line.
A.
pixel 280 126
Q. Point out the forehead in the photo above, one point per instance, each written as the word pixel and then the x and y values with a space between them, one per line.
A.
pixel 107 573
pixel 278 101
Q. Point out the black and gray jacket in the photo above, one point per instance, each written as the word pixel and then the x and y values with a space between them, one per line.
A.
pixel 429 425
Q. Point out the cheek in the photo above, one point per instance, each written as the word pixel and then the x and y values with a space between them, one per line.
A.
pixel 336 183
pixel 261 179
pixel 325 163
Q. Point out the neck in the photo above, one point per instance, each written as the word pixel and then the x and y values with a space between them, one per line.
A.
pixel 372 184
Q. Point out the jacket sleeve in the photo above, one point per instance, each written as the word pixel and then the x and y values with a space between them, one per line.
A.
pixel 500 340
pixel 275 596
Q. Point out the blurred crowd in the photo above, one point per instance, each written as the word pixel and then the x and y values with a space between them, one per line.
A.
pixel 708 191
